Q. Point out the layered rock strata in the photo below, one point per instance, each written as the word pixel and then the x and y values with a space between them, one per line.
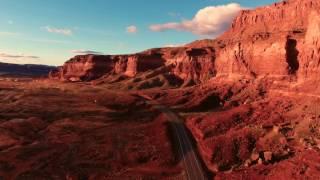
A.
pixel 280 40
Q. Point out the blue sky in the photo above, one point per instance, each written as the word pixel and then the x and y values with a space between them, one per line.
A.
pixel 52 31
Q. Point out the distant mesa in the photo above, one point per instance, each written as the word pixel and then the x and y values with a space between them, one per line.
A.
pixel 32 70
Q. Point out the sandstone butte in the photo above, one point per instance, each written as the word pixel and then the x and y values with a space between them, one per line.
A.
pixel 276 41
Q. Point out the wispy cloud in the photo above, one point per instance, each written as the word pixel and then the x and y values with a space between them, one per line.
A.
pixel 212 20
pixel 10 22
pixel 81 51
pixel 18 56
pixel 132 29
pixel 63 31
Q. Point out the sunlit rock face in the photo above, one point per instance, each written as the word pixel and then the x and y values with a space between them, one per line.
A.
pixel 193 65
pixel 276 40
pixel 84 68
pixel 309 56
pixel 280 40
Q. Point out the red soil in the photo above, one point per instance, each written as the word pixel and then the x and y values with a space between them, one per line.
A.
pixel 51 131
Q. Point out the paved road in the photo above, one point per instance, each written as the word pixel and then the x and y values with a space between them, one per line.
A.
pixel 191 162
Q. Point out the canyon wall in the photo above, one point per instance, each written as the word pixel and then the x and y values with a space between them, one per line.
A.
pixel 189 64
pixel 309 49
pixel 279 40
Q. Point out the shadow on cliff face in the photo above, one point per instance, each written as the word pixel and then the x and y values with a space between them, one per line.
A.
pixel 292 55
pixel 196 52
pixel 150 62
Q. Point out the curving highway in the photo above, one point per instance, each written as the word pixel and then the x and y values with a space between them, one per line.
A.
pixel 189 157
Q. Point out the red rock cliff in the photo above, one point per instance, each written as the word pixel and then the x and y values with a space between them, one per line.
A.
pixel 279 40
pixel 192 65
pixel 276 40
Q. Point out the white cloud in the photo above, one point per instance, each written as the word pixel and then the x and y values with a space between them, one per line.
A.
pixel 85 52
pixel 132 29
pixel 10 22
pixel 212 20
pixel 63 31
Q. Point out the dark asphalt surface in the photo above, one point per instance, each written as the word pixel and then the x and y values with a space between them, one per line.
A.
pixel 191 162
